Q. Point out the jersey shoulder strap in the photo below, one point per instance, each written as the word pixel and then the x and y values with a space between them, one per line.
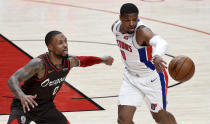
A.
pixel 116 27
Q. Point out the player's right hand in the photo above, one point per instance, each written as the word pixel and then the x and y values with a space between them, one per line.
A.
pixel 27 100
pixel 159 63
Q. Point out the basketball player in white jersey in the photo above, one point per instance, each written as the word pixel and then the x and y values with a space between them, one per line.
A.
pixel 144 76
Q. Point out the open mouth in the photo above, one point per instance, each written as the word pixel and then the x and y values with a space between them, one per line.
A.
pixel 131 29
pixel 66 51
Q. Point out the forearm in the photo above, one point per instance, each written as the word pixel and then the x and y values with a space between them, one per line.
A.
pixel 27 101
pixel 161 46
pixel 14 87
pixel 85 61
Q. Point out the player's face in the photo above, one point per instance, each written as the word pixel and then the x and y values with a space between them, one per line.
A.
pixel 59 45
pixel 129 22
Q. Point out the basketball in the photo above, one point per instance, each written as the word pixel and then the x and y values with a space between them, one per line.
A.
pixel 181 68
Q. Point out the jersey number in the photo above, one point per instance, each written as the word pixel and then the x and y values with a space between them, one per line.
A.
pixel 55 90
pixel 123 54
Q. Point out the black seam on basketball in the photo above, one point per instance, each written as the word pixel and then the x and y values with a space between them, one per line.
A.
pixel 180 68
pixel 176 63
pixel 188 72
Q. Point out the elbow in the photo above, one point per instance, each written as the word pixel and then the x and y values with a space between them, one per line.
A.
pixel 9 83
pixel 160 44
pixel 161 48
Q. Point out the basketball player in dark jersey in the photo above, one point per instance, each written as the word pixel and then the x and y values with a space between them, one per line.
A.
pixel 43 77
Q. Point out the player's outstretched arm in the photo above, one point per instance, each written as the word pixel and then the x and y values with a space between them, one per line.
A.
pixel 84 61
pixel 145 36
pixel 24 73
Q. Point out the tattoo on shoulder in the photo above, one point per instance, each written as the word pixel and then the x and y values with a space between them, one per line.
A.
pixel 74 61
pixel 35 64
pixel 33 67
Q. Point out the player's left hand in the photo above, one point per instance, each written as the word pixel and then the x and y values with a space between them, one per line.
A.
pixel 27 101
pixel 108 60
pixel 159 63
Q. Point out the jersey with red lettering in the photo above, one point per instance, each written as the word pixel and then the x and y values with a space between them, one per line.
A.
pixel 137 59
pixel 47 87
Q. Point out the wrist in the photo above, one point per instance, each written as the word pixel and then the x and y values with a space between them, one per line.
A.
pixel 102 60
pixel 20 95
pixel 156 59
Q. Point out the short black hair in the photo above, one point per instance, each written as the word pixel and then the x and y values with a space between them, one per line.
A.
pixel 128 8
pixel 50 35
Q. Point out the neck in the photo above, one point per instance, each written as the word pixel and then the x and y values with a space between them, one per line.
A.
pixel 55 59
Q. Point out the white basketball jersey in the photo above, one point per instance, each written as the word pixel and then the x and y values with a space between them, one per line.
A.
pixel 137 59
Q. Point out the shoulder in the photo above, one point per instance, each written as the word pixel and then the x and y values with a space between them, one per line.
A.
pixel 142 30
pixel 74 61
pixel 36 63
pixel 37 60
pixel 144 34
pixel 72 57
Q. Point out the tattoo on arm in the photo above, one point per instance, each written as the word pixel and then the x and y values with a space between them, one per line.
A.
pixel 74 61
pixel 24 73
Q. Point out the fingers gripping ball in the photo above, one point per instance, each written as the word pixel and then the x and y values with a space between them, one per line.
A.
pixel 181 68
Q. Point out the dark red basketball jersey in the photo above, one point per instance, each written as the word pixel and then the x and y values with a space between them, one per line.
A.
pixel 47 87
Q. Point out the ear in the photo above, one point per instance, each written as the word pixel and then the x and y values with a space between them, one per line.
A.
pixel 120 17
pixel 50 47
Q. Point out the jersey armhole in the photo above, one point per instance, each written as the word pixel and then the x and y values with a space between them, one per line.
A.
pixel 134 41
pixel 115 26
pixel 45 73
pixel 135 44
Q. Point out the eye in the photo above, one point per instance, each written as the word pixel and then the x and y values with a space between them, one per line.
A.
pixel 60 42
pixel 136 19
pixel 126 20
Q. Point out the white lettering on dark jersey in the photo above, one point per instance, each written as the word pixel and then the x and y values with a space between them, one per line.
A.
pixel 23 119
pixel 65 69
pixel 55 90
pixel 47 82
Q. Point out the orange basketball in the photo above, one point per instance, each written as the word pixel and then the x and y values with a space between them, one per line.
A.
pixel 181 68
